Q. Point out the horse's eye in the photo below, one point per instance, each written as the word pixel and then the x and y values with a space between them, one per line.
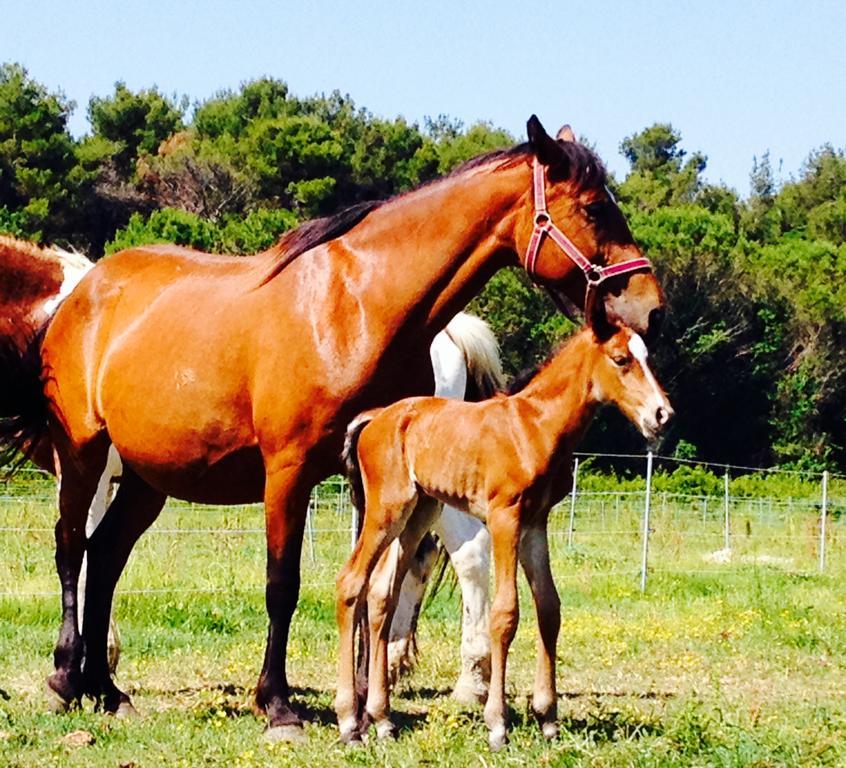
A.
pixel 596 209
pixel 622 361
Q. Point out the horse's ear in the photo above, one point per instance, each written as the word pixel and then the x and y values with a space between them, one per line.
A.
pixel 544 147
pixel 565 133
pixel 596 317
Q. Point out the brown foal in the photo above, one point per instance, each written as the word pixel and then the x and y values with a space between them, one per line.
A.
pixel 506 461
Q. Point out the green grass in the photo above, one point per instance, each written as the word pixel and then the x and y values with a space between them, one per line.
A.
pixel 717 664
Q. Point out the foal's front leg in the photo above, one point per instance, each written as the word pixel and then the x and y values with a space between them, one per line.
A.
pixel 534 557
pixel 504 525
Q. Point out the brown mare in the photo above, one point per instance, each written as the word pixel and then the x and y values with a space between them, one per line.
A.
pixel 505 460
pixel 231 380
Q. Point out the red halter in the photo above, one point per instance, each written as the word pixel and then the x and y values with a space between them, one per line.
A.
pixel 595 274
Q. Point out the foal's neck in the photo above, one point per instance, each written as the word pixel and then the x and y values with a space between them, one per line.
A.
pixel 562 392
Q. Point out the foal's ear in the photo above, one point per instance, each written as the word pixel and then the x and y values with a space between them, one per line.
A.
pixel 544 147
pixel 596 318
pixel 565 133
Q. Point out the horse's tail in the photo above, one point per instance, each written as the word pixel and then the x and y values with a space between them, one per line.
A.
pixel 474 337
pixel 23 406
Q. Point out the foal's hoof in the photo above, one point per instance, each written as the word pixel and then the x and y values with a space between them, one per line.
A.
pixel 549 730
pixel 292 734
pixel 497 739
pixel 385 730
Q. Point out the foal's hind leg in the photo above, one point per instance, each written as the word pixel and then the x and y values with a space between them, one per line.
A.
pixel 133 510
pixel 382 522
pixel 385 582
pixel 77 480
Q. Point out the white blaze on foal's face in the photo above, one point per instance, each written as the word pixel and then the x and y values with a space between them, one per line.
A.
pixel 655 411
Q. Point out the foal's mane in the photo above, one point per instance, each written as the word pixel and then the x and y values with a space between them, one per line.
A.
pixel 522 379
pixel 578 165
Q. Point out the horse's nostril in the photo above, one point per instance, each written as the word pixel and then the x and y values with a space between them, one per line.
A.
pixel 662 416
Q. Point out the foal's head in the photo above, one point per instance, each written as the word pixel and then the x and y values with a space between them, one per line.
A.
pixel 622 376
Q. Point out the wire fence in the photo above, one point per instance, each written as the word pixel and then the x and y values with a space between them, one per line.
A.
pixel 653 518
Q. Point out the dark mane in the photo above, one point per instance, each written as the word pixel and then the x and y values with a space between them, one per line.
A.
pixel 578 165
pixel 522 379
pixel 316 232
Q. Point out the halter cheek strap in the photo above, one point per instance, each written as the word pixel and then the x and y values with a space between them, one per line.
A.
pixel 595 274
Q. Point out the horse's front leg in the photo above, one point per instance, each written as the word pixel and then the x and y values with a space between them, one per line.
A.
pixel 468 544
pixel 286 504
pixel 504 526
pixel 534 557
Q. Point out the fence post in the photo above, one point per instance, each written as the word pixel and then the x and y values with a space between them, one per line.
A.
pixel 571 527
pixel 727 543
pixel 645 552
pixel 823 515
pixel 310 526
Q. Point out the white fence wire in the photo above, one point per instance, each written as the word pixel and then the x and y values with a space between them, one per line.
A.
pixel 635 528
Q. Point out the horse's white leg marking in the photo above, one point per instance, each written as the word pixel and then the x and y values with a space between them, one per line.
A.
pixel 468 543
pixel 408 604
pixel 106 489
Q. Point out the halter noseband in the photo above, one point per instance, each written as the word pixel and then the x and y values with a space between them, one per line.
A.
pixel 595 274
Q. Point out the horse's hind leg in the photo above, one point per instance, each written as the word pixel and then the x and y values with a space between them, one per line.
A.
pixel 133 510
pixel 77 480
pixel 468 545
pixel 106 489
pixel 383 520
pixel 385 582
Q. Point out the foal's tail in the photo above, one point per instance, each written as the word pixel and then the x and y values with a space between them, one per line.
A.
pixel 352 465
pixel 23 406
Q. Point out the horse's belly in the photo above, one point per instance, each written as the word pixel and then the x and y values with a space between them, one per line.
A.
pixel 237 478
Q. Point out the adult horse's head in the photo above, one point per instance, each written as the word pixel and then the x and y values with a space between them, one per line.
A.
pixel 574 239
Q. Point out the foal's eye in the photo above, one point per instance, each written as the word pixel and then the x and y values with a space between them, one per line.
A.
pixel 622 361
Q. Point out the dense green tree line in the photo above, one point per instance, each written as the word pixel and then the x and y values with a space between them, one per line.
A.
pixel 753 351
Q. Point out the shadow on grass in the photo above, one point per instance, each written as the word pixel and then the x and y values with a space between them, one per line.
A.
pixel 611 726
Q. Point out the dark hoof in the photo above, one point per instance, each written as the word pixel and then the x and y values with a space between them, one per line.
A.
pixel 292 734
pixel 64 690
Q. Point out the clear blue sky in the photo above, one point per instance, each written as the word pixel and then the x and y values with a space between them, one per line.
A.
pixel 734 78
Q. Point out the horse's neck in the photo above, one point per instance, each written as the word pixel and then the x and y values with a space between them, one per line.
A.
pixel 434 248
pixel 561 394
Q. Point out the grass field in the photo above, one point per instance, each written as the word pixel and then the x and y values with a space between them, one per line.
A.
pixel 737 663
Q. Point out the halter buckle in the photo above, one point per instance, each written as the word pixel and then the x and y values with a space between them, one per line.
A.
pixel 593 276
pixel 542 219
